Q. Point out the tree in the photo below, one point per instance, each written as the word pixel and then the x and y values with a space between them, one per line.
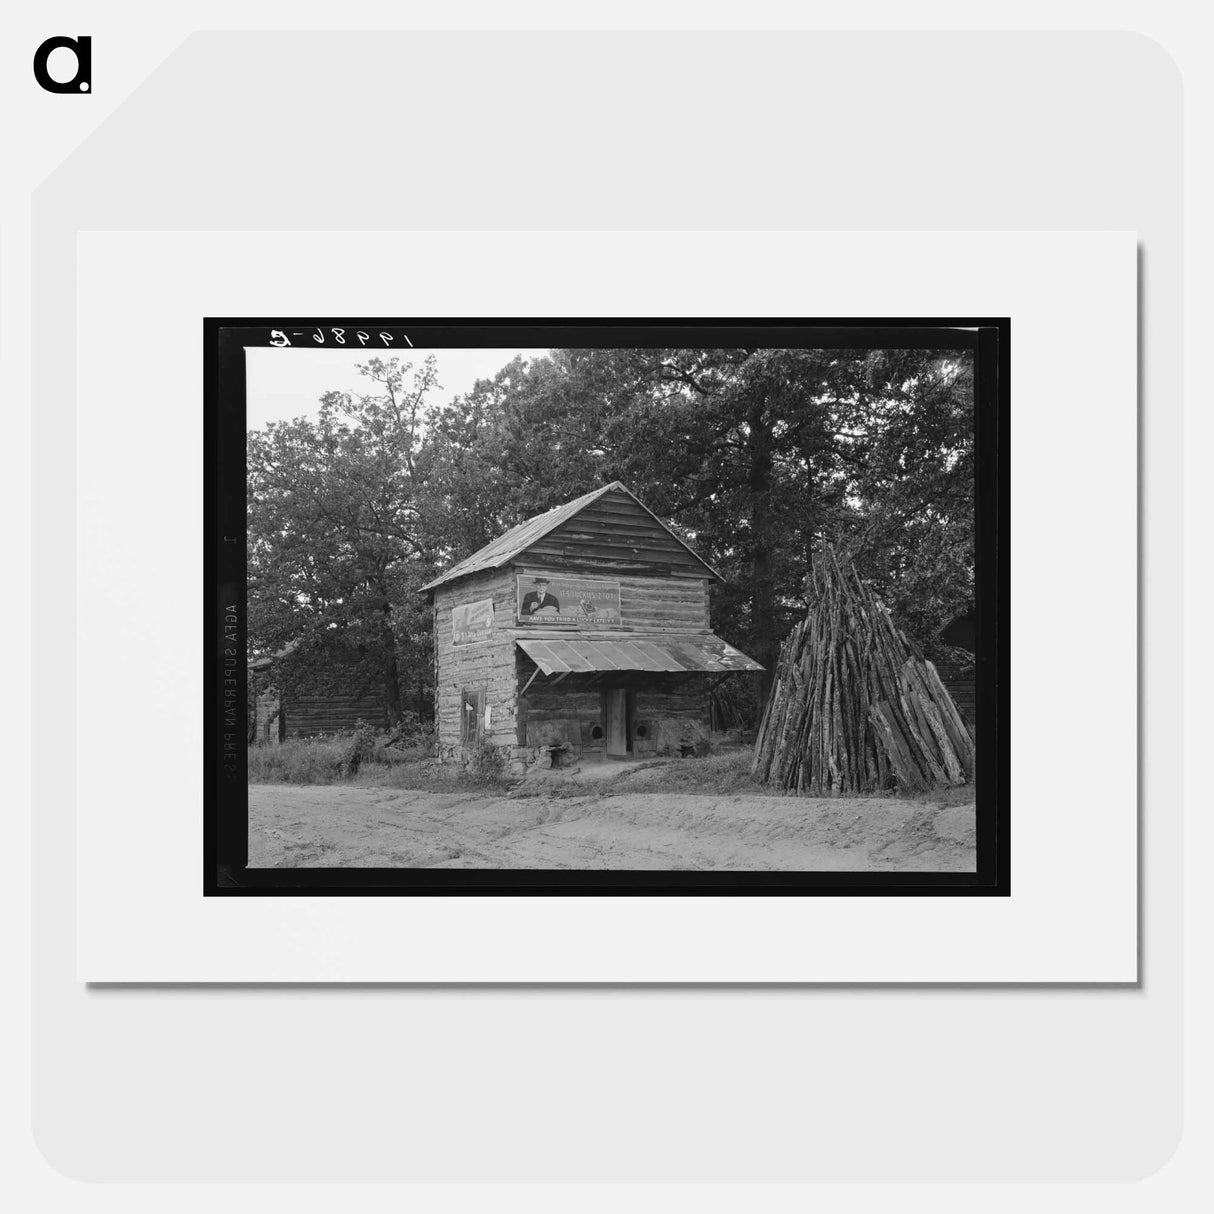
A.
pixel 337 543
pixel 914 488
pixel 758 456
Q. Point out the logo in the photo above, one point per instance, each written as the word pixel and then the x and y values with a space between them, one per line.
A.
pixel 82 48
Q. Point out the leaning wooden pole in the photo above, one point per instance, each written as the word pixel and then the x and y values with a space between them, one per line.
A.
pixel 854 706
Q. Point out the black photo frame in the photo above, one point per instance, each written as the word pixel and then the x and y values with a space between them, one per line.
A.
pixel 225 825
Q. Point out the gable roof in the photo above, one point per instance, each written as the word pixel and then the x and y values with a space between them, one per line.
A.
pixel 517 540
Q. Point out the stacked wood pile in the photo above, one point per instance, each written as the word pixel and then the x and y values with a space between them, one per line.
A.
pixel 854 707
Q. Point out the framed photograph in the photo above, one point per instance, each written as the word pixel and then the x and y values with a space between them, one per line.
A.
pixel 598 607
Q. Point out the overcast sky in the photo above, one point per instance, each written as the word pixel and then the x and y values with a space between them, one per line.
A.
pixel 289 382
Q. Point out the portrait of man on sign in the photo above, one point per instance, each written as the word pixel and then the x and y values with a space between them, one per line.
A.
pixel 540 600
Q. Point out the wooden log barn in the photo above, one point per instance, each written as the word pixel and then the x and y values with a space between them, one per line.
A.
pixel 329 701
pixel 582 633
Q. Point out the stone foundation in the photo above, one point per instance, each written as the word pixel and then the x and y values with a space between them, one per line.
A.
pixel 557 746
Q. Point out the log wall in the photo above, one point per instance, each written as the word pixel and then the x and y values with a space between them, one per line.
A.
pixel 565 713
pixel 651 605
pixel 671 708
pixel 674 712
pixel 486 665
pixel 330 701
pixel 308 713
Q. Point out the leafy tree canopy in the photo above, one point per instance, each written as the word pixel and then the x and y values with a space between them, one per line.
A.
pixel 758 457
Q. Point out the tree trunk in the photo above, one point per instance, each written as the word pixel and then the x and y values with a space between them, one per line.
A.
pixel 763 597
pixel 391 668
pixel 252 708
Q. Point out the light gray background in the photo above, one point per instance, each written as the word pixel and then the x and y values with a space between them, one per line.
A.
pixel 609 131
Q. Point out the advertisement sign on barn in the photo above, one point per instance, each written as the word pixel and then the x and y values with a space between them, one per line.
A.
pixel 472 622
pixel 582 602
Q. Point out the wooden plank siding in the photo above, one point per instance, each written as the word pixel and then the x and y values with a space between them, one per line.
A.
pixel 647 604
pixel 671 705
pixel 664 592
pixel 607 516
pixel 616 535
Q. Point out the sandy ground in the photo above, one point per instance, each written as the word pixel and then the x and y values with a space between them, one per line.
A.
pixel 343 826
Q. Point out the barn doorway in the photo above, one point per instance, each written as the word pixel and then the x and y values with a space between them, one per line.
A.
pixel 616 725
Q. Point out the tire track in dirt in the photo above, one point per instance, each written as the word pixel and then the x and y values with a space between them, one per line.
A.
pixel 351 826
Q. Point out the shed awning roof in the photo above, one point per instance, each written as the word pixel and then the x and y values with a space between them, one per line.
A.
pixel 695 652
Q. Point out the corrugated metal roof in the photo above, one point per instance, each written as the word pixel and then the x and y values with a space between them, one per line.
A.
pixel 692 652
pixel 518 539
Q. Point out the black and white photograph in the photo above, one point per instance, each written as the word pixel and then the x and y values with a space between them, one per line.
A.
pixel 644 600
pixel 604 525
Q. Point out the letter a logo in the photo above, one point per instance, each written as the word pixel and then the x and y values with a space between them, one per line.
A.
pixel 82 81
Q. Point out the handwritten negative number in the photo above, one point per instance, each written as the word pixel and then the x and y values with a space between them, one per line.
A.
pixel 279 338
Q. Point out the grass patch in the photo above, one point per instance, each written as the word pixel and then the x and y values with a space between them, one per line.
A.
pixel 352 759
pixel 724 774
pixel 297 761
pixel 727 773
pixel 360 758
pixel 963 794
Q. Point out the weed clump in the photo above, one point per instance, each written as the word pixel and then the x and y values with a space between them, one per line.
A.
pixel 486 766
pixel 357 748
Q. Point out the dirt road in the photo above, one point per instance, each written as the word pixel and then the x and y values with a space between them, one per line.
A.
pixel 351 827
